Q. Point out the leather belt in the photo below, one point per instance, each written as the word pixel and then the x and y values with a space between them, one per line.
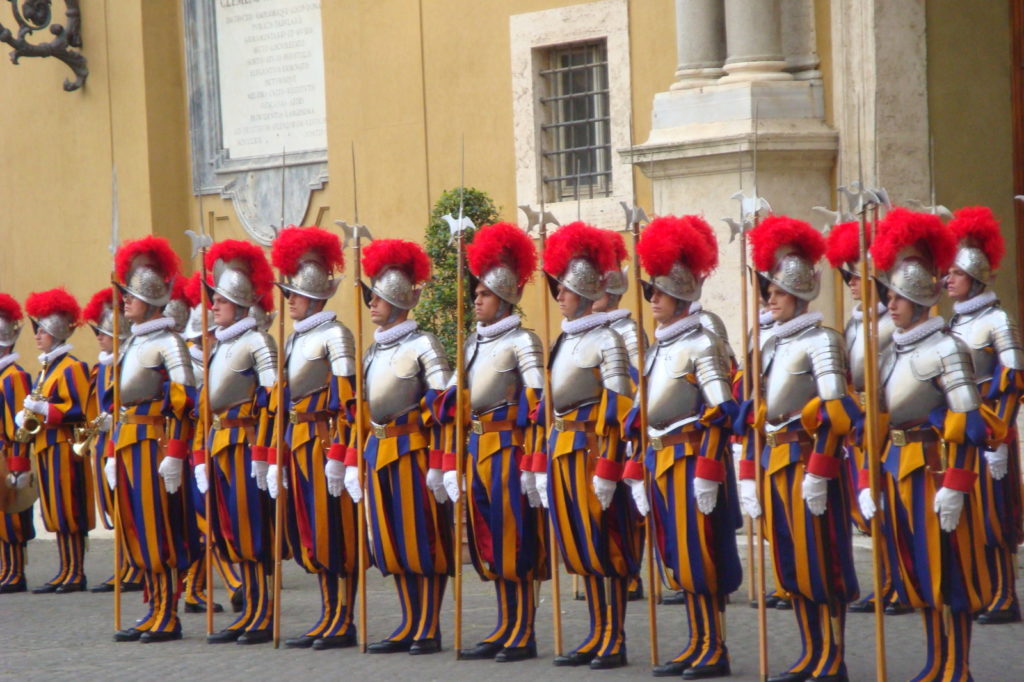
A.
pixel 306 417
pixel 480 427
pixel 142 419
pixel 220 423
pixel 773 438
pixel 899 437
pixel 658 442
pixel 570 425
pixel 394 430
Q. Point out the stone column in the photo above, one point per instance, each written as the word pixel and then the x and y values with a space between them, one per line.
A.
pixel 700 42
pixel 753 31
pixel 799 39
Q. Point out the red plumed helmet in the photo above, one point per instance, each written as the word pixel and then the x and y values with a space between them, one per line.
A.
pixel 618 247
pixel 10 320
pixel 708 234
pixel 578 256
pixel 193 294
pixel 902 229
pixel 267 302
pixel 503 258
pixel 241 272
pixel 396 267
pixel 10 309
pixel 307 258
pixel 146 267
pixel 56 311
pixel 981 242
pixel 93 311
pixel 677 255
pixel 785 251
pixel 842 245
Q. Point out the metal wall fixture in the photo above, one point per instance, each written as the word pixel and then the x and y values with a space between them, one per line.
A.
pixel 37 15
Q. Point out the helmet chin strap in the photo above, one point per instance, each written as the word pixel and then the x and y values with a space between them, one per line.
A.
pixel 920 311
pixel 976 288
pixel 584 307
pixel 240 313
pixel 682 307
pixel 315 306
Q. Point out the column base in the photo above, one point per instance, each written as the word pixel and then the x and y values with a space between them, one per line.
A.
pixel 687 79
pixel 739 72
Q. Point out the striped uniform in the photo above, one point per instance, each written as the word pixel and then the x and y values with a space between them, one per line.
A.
pixel 15 529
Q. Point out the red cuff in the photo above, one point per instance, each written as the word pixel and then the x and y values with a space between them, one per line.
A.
pixel 351 457
pixel 53 415
pixel 823 465
pixel 436 459
pixel 280 456
pixel 633 470
pixel 608 469
pixel 540 463
pixel 526 462
pixel 110 448
pixel 260 453
pixel 18 464
pixel 449 462
pixel 864 479
pixel 710 469
pixel 198 457
pixel 336 452
pixel 177 448
pixel 959 479
pixel 747 471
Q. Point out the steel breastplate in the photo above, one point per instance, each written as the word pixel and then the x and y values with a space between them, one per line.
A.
pixel 575 375
pixel 789 379
pixel 315 356
pixel 394 382
pixel 908 396
pixel 671 396
pixel 233 380
pixel 975 330
pixel 492 373
pixel 143 367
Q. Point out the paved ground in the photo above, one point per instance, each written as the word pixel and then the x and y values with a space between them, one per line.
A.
pixel 68 636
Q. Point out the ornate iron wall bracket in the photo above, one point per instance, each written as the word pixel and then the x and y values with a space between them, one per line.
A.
pixel 36 15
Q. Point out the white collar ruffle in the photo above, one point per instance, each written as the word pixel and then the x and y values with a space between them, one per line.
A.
pixel 8 360
pixel 921 331
pixel 159 324
pixel 585 323
pixel 105 358
pixel 386 337
pixel 62 349
pixel 235 330
pixel 975 304
pixel 314 320
pixel 505 324
pixel 678 327
pixel 797 324
pixel 617 314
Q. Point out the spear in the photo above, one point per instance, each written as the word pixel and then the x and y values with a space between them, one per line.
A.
pixel 114 238
pixel 282 409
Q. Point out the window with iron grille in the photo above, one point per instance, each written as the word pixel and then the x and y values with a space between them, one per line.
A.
pixel 575 128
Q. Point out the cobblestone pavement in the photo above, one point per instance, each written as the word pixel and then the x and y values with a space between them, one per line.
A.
pixel 69 636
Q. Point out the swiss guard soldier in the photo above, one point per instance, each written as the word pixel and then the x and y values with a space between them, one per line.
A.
pixel 505 380
pixel 930 460
pixel 243 367
pixel 596 524
pixel 16 529
pixel 689 410
pixel 321 522
pixel 409 520
pixel 615 286
pixel 993 340
pixel 56 405
pixel 145 471
pixel 806 413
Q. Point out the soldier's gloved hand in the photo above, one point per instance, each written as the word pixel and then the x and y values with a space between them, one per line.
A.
pixel 604 489
pixel 37 406
pixel 705 491
pixel 104 422
pixel 997 461
pixel 949 504
pixel 110 471
pixel 272 474
pixel 815 493
pixel 19 419
pixel 435 484
pixel 737 455
pixel 639 491
pixel 19 480
pixel 748 498
pixel 451 485
pixel 202 480
pixel 335 471
pixel 528 484
pixel 259 472
pixel 170 471
pixel 540 478
pixel 867 504
pixel 355 491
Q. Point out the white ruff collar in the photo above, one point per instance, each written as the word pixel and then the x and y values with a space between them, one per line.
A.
pixel 386 337
pixel 105 358
pixel 585 323
pixel 157 325
pixel 314 320
pixel 237 329
pixel 505 324
pixel 617 314
pixel 764 318
pixel 60 350
pixel 921 331
pixel 797 324
pixel 974 304
pixel 691 321
pixel 8 360
pixel 858 312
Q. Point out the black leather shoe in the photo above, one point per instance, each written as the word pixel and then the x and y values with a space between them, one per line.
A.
pixel 674 598
pixel 224 637
pixel 150 637
pixel 200 607
pixel 48 588
pixel 129 635
pixel 255 636
pixel 103 587
pixel 336 642
pixel 770 602
pixel 574 659
pixel 783 605
pixel 670 669
pixel 638 593
pixel 131 587
pixel 237 600
pixel 303 642
pixel 389 646
pixel 790 677
pixel 431 645
pixel 901 609
pixel 516 653
pixel 999 617
pixel 65 588
pixel 704 672
pixel 481 651
pixel 11 588
pixel 608 662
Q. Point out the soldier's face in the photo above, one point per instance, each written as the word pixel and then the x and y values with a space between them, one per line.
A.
pixel 855 288
pixel 664 307
pixel 135 309
pixel 223 311
pixel 106 343
pixel 380 310
pixel 298 306
pixel 486 305
pixel 901 311
pixel 781 304
pixel 958 284
pixel 569 303
pixel 44 341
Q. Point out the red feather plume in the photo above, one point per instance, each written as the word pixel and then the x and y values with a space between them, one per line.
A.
pixel 178 289
pixel 843 243
pixel 157 248
pixel 399 253
pixel 618 247
pixel 267 302
pixel 94 308
pixel 40 304
pixel 707 232
pixel 256 265
pixel 577 240
pixel 193 294
pixel 976 226
pixel 777 231
pixel 10 308
pixel 502 243
pixel 293 242
pixel 669 239
pixel 901 228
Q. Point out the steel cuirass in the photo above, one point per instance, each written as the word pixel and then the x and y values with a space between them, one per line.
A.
pixel 584 365
pixel 239 366
pixel 631 336
pixel 990 335
pixel 399 373
pixel 854 334
pixel 144 361
pixel 799 367
pixel 315 355
pixel 498 367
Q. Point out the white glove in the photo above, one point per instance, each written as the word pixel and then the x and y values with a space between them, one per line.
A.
pixel 110 471
pixel 435 484
pixel 867 504
pixel 639 491
pixel 272 480
pixel 355 491
pixel 19 419
pixel 604 489
pixel 335 471
pixel 19 480
pixel 202 480
pixel 815 493
pixel 104 422
pixel 737 455
pixel 748 498
pixel 540 479
pixel 949 504
pixel 259 472
pixel 528 484
pixel 170 471
pixel 997 461
pixel 37 406
pixel 706 493
pixel 451 485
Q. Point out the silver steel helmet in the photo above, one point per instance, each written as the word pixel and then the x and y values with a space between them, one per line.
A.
pixel 312 279
pixel 617 281
pixel 178 310
pixel 194 327
pixel 975 263
pixel 262 317
pixel 146 283
pixel 792 273
pixel 501 279
pixel 395 287
pixel 106 323
pixel 913 278
pixel 679 283
pixel 231 280
pixel 9 332
pixel 580 277
pixel 58 325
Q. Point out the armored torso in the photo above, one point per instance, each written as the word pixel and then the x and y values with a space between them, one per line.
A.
pixel 238 366
pixel 854 334
pixel 314 356
pixel 584 365
pixel 990 335
pixel 800 366
pixel 633 337
pixel 498 367
pixel 399 373
pixel 144 361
